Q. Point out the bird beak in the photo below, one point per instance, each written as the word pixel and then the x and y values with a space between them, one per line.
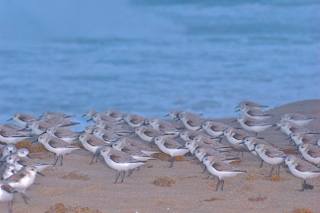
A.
pixel 39 173
pixel 10 119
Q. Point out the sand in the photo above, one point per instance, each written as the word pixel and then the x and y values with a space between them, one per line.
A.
pixel 83 188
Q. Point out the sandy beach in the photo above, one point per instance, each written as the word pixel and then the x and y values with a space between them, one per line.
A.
pixel 83 188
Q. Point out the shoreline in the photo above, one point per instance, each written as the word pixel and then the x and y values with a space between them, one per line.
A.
pixel 78 184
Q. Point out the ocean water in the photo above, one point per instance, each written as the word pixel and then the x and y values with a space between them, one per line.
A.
pixel 153 56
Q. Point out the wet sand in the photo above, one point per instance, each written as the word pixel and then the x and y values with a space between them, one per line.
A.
pixel 182 188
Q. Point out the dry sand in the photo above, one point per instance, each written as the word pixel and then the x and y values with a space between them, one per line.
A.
pixel 85 188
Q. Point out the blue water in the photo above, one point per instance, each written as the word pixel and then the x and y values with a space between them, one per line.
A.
pixel 152 56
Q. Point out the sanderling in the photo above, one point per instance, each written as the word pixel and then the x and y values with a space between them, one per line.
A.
pixel 188 135
pixel 147 133
pixel 63 133
pixel 220 169
pixel 114 114
pixel 254 114
pixel 7 195
pixel 22 120
pixel 297 118
pixel 12 139
pixel 22 180
pixel 56 146
pixel 191 122
pixel 311 153
pixel 214 129
pixel 7 150
pixel 92 144
pixel 106 135
pixel 270 155
pixel 250 105
pixel 164 127
pixel 253 126
pixel 302 138
pixel 303 170
pixel 119 161
pixel 135 152
pixel 235 137
pixel 134 120
pixel 170 147
pixel 142 146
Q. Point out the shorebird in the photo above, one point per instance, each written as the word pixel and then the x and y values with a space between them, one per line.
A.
pixel 9 129
pixel 7 171
pixel 164 126
pixel 138 144
pixel 22 180
pixel 134 120
pixel 254 114
pixel 7 195
pixel 297 118
pixel 119 161
pixel 170 147
pixel 7 150
pixel 135 152
pixel 289 128
pixel 174 115
pixel 190 121
pixel 22 119
pixel 56 119
pixel 188 135
pixel 64 134
pixel 222 170
pixel 251 143
pixel 213 143
pixel 250 105
pixel 302 170
pixel 56 146
pixel 54 115
pixel 105 135
pixel 253 126
pixel 270 155
pixel 12 138
pixel 302 138
pixel 115 115
pixel 214 129
pixel 311 153
pixel 235 138
pixel 92 144
pixel 146 133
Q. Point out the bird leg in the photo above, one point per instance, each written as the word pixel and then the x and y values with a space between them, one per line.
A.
pixel 61 160
pixel 218 184
pixel 56 160
pixel 271 171
pixel 306 186
pixel 172 159
pixel 95 155
pixel 222 184
pixel 123 176
pixel 261 164
pixel 25 198
pixel 278 172
pixel 204 169
pixel 10 206
pixel 130 172
pixel 117 177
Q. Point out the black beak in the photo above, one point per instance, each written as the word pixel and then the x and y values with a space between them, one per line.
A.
pixel 39 173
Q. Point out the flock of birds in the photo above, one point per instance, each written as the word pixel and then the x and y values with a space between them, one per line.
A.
pixel 126 141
